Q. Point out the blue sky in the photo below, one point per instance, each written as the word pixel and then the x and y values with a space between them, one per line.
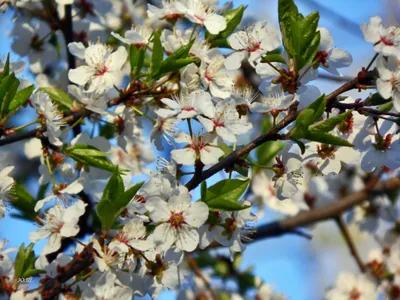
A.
pixel 294 265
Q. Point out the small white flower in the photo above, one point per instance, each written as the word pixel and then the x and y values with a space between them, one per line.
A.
pixel 65 193
pixel 32 41
pixel 252 44
pixel 266 195
pixel 131 235
pixel 224 119
pixel 388 83
pixel 199 147
pixel 103 67
pixel 385 40
pixel 95 102
pixel 329 158
pixel 163 128
pixel 330 57
pixel 7 184
pixel 137 36
pixel 107 287
pixel 177 220
pixel 213 76
pixel 59 222
pixel 350 286
pixel 170 11
pixel 183 106
pixel 199 12
pixel 274 102
pixel 53 117
pixel 381 152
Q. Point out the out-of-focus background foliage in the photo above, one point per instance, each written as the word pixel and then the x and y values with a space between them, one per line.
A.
pixel 298 267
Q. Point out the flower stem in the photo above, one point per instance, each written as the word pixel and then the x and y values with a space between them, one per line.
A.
pixel 26 125
pixel 190 127
pixel 77 122
pixel 372 61
pixel 50 172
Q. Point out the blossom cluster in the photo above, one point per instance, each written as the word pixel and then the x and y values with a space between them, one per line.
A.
pixel 117 91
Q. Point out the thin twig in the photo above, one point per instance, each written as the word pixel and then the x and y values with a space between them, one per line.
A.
pixel 350 243
pixel 198 273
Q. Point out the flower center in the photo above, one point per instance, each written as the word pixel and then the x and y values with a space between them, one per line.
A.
pixel 101 69
pixel 326 151
pixel 346 126
pixel 382 143
pixel 354 294
pixel 321 58
pixel 176 220
pixel 387 40
pixel 253 46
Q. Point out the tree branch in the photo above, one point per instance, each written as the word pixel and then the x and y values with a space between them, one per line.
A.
pixel 52 287
pixel 287 225
pixel 350 243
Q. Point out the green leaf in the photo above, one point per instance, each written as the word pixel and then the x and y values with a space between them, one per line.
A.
pixel 24 202
pixel 386 107
pixel 376 99
pixel 106 208
pixel 6 69
pixel 8 88
pixel 91 156
pixel 20 98
pixel 129 194
pixel 32 273
pixel 24 265
pixel 233 18
pixel 19 261
pixel 86 150
pixel 267 151
pixel 157 55
pixel 203 191
pixel 273 58
pixel 114 200
pixel 136 57
pixel 59 97
pixel 326 138
pixel 304 119
pixel 287 11
pixel 225 195
pixel 329 124
pixel 319 107
pixel 299 34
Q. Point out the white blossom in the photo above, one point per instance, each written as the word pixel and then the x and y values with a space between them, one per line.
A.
pixel 103 67
pixel 59 222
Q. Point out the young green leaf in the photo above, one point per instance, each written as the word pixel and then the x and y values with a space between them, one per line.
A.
pixel 24 202
pixel 59 97
pixel 136 58
pixel 203 191
pixel 319 107
pixel 20 98
pixel 157 55
pixel 10 84
pixel 88 155
pixel 329 124
pixel 114 200
pixel 273 58
pixel 106 208
pixel 326 138
pixel 6 69
pixel 19 261
pixel 225 195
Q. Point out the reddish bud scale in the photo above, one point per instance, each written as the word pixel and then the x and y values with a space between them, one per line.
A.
pixel 346 126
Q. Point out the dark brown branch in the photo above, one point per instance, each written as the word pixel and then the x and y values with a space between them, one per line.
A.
pixel 51 288
pixel 287 225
